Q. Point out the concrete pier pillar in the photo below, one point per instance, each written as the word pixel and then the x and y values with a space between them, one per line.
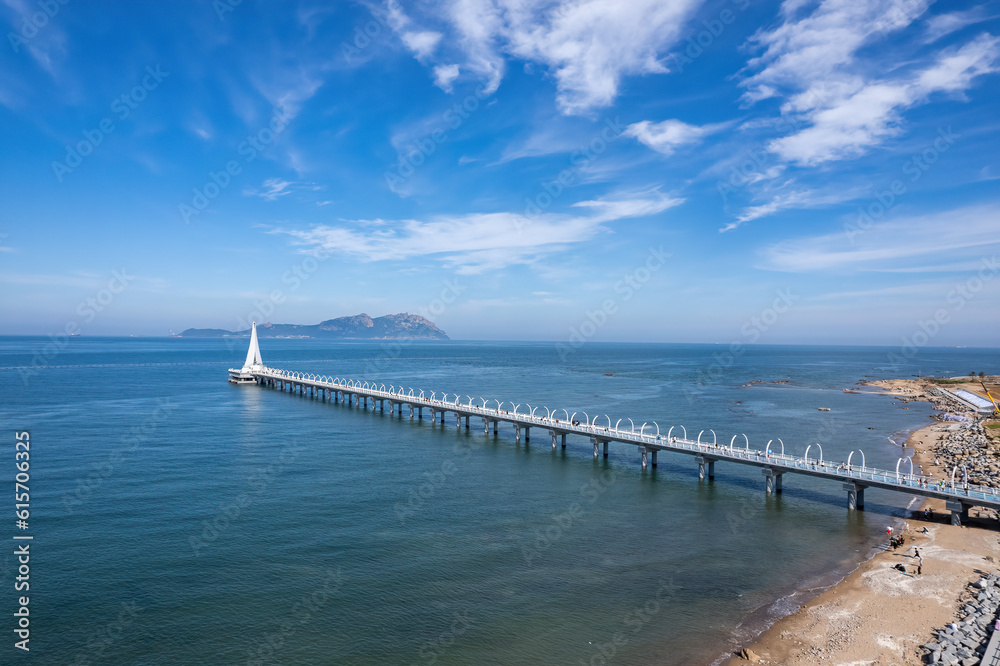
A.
pixel 411 412
pixel 605 449
pixel 855 496
pixel 772 481
pixel 390 407
pixel 466 421
pixel 496 427
pixel 643 449
pixel 486 426
pixel 595 442
pixel 564 440
pixel 652 459
pixel 959 511
pixel 366 402
pixel 702 464
pixel 527 433
pixel 420 413
pixel 400 410
pixel 555 435
pixel 442 417
pixel 517 432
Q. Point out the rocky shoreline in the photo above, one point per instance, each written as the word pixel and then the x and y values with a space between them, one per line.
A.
pixel 886 612
pixel 958 439
pixel 965 641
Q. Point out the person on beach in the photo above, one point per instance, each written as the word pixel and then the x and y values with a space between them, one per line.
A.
pixel 920 566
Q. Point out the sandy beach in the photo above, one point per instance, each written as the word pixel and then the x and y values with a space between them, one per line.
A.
pixel 878 614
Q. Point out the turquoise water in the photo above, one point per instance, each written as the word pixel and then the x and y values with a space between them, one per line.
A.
pixel 178 519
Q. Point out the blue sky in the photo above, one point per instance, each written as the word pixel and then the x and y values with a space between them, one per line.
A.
pixel 683 171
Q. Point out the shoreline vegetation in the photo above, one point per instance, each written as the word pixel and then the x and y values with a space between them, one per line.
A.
pixel 879 614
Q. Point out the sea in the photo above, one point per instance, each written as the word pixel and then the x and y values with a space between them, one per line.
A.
pixel 176 518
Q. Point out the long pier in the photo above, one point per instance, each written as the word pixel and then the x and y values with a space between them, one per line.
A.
pixel 959 496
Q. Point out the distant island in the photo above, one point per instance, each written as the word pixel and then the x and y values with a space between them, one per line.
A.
pixel 402 326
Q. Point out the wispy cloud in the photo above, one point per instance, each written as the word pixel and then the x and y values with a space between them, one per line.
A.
pixel 793 197
pixel 937 241
pixel 272 188
pixel 476 242
pixel 843 100
pixel 850 125
pixel 666 136
pixel 275 188
pixel 942 25
pixel 587 46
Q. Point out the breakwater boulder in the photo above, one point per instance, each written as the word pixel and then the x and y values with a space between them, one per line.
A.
pixel 964 641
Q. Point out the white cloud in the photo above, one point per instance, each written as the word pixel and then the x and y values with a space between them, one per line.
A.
pixel 664 137
pixel 444 75
pixel 587 45
pixel 421 43
pixel 845 102
pixel 796 199
pixel 477 242
pixel 933 242
pixel 852 124
pixel 942 25
pixel 272 188
pixel 820 47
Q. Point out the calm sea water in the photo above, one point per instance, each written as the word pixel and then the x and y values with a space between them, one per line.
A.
pixel 178 519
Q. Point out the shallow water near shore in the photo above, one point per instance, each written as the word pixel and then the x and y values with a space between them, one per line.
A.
pixel 181 519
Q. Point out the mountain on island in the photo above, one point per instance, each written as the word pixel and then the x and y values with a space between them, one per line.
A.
pixel 402 326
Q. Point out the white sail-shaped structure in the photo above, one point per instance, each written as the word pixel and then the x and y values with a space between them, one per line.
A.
pixel 253 363
pixel 253 354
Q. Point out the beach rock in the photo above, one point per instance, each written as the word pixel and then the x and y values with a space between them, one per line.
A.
pixel 964 641
pixel 749 655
